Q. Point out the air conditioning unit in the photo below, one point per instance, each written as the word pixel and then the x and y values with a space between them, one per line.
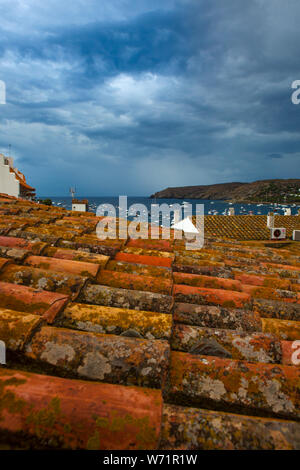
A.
pixel 296 235
pixel 278 233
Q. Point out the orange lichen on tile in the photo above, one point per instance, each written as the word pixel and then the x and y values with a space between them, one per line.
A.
pixel 148 252
pixel 113 320
pixel 198 429
pixel 17 327
pixel 160 245
pixel 206 281
pixel 272 294
pixel 76 255
pixel 139 269
pixel 134 282
pixel 230 385
pixel 3 262
pixel 277 309
pixel 264 281
pixel 283 329
pixel 284 267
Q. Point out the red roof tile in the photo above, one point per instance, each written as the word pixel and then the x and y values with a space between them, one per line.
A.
pixel 73 414
pixel 199 295
pixel 25 299
pixel 64 265
pixel 143 259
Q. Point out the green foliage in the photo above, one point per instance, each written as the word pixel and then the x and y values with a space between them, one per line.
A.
pixel 47 202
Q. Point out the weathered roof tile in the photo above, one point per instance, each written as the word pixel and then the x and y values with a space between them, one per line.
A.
pixel 283 329
pixel 251 347
pixel 64 265
pixel 198 429
pixel 26 299
pixel 36 278
pixel 89 416
pixel 124 298
pixel 112 320
pixel 216 317
pixel 230 385
pixel 16 327
pixel 135 282
pixel 108 358
pixel 144 259
pixel 201 295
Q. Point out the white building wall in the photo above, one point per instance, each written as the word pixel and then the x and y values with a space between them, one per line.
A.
pixel 8 183
pixel 79 207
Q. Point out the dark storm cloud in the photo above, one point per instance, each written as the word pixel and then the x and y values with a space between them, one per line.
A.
pixel 139 95
pixel 275 155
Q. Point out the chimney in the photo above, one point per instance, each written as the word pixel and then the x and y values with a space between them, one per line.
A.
pixel 270 220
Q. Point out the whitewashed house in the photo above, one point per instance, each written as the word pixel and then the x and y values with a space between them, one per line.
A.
pixel 12 181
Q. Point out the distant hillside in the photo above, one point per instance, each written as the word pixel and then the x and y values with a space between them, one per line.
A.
pixel 278 190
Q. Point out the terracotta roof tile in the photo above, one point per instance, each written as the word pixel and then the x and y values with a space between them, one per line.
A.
pixel 112 320
pixel 17 327
pixel 101 357
pixel 230 385
pixel 144 259
pixel 251 347
pixel 196 280
pixel 53 281
pixel 212 332
pixel 13 242
pixel 160 245
pixel 140 269
pixel 89 416
pixel 135 282
pixel 200 295
pixel 64 265
pixel 76 255
pixel 147 252
pixel 217 317
pixel 283 329
pixel 277 309
pixel 26 299
pixel 198 429
pixel 124 298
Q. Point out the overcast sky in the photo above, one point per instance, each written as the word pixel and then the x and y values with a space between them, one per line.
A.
pixel 132 96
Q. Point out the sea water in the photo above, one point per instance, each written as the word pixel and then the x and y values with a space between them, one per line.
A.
pixel 211 207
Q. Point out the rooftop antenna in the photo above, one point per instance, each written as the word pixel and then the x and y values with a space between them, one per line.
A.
pixel 73 191
pixel 9 150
